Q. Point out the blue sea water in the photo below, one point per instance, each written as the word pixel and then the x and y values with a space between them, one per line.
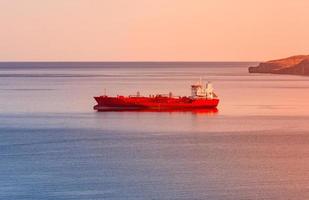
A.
pixel 53 145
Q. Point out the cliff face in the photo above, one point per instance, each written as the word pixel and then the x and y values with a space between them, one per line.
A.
pixel 296 65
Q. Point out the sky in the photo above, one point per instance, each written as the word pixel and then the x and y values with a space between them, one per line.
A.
pixel 153 30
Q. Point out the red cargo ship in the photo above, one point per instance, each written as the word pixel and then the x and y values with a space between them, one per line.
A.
pixel 202 97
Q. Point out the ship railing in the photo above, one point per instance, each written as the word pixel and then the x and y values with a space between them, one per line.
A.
pixel 170 95
pixel 135 96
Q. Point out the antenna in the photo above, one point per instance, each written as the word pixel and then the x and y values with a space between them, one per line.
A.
pixel 104 91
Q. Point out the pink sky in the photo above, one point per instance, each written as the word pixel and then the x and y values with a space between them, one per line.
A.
pixel 153 30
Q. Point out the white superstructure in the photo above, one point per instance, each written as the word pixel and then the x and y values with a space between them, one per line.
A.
pixel 201 90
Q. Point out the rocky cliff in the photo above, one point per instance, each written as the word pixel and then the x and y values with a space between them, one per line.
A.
pixel 296 65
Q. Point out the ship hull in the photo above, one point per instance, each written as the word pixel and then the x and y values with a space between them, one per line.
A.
pixel 106 103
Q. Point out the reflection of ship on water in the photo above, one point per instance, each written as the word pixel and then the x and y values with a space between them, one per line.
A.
pixel 202 98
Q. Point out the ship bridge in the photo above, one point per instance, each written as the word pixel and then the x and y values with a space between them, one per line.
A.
pixel 201 90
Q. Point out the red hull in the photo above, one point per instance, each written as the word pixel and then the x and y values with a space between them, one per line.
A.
pixel 120 103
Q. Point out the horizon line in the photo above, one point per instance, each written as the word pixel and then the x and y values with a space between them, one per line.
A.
pixel 130 61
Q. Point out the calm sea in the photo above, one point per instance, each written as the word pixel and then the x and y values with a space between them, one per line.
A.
pixel 54 146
